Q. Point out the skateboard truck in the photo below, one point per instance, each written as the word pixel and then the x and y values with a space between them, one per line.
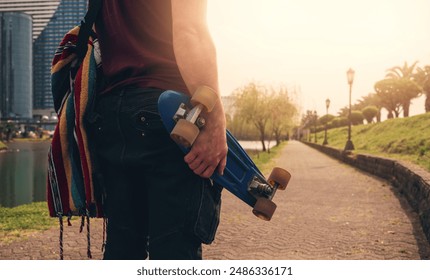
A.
pixel 193 115
pixel 261 188
pixel 264 191
pixel 188 121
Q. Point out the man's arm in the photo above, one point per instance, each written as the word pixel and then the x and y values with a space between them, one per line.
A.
pixel 196 57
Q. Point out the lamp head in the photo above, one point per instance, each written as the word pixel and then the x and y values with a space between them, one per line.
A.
pixel 350 76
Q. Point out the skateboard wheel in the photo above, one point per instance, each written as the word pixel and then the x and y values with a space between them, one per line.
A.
pixel 264 208
pixel 184 133
pixel 279 176
pixel 205 96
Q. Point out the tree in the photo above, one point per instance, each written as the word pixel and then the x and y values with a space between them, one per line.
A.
pixel 308 119
pixel 270 112
pixel 370 112
pixel 388 97
pixel 405 86
pixel 357 117
pixel 373 100
pixel 282 111
pixel 326 119
pixel 339 122
pixel 422 77
pixel 344 112
pixel 251 103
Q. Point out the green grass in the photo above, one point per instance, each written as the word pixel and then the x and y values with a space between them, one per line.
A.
pixel 2 145
pixel 263 160
pixel 402 139
pixel 20 221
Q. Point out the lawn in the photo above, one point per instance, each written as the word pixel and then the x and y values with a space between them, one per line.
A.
pixel 403 138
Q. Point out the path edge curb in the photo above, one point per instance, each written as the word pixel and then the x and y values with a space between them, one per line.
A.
pixel 411 180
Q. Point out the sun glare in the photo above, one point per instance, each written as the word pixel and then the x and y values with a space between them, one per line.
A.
pixel 311 43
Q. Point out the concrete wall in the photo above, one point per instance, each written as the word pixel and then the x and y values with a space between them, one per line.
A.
pixel 411 180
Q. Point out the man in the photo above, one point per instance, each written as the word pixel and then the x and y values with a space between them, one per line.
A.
pixel 159 203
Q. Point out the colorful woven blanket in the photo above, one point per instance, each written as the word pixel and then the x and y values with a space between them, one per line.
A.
pixel 71 185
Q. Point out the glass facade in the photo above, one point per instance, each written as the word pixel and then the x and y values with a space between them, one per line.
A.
pixel 16 79
pixel 51 19
pixel 40 11
pixel 68 14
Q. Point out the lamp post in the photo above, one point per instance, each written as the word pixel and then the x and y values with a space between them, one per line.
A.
pixel 315 125
pixel 327 104
pixel 350 76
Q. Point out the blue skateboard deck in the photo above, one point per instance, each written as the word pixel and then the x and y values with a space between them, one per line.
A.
pixel 241 176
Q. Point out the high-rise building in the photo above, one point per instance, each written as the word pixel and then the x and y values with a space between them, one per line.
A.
pixel 68 14
pixel 16 71
pixel 51 20
pixel 40 11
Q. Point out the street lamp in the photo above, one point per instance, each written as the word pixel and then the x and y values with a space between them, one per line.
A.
pixel 350 76
pixel 327 104
pixel 315 125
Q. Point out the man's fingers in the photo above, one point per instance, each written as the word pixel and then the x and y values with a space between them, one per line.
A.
pixel 204 168
pixel 206 157
pixel 195 164
pixel 190 157
pixel 208 172
pixel 222 165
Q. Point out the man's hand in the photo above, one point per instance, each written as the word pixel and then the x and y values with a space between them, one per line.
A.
pixel 209 151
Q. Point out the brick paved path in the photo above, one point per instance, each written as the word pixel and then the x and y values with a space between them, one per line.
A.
pixel 329 211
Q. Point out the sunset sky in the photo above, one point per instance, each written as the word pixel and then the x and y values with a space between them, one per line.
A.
pixel 310 44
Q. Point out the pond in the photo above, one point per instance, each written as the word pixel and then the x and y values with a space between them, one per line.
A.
pixel 23 171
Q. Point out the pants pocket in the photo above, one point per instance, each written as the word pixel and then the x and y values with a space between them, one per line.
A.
pixel 208 215
pixel 148 123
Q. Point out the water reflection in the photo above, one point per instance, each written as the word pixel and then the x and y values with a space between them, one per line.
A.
pixel 23 173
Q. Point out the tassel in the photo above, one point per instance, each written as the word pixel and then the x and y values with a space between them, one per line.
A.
pixel 104 233
pixel 88 237
pixel 60 218
pixel 82 224
pixel 69 218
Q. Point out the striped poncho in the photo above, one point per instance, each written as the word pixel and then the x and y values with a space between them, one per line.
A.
pixel 72 185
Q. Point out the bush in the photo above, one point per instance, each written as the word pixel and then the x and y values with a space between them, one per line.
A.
pixel 369 113
pixel 339 122
pixel 357 117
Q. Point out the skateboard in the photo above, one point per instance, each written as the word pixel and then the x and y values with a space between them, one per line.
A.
pixel 181 117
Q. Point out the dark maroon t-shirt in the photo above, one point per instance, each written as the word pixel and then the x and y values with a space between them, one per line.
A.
pixel 136 44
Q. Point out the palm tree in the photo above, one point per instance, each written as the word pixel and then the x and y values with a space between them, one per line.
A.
pixel 422 77
pixel 405 84
pixel 398 72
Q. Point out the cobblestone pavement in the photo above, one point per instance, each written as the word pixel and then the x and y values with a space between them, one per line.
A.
pixel 329 211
